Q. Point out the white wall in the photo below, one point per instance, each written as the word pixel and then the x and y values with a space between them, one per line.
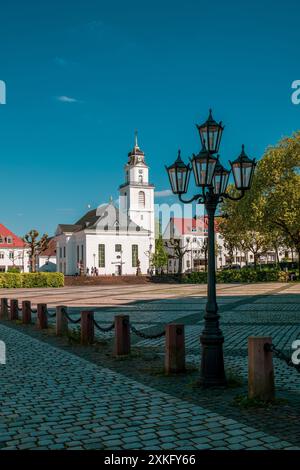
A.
pixel 111 260
pixel 90 242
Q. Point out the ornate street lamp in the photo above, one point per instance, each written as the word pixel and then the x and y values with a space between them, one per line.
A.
pixel 213 179
pixel 203 166
pixel 211 132
pixel 179 175
pixel 220 179
pixel 243 170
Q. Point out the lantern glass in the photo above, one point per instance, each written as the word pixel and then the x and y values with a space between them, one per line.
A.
pixel 179 176
pixel 220 179
pixel 211 132
pixel 243 171
pixel 203 166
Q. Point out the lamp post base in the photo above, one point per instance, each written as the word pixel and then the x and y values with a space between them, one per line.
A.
pixel 212 373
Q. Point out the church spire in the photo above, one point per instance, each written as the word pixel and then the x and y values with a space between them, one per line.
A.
pixel 136 155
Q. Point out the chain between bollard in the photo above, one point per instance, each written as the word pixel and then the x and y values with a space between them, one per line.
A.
pixel 104 329
pixel 281 355
pixel 69 318
pixel 144 335
pixel 50 315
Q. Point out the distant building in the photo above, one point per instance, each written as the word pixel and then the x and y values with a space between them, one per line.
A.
pixel 192 234
pixel 13 252
pixel 47 259
pixel 113 240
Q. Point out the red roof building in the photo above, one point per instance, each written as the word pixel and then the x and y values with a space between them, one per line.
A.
pixel 8 239
pixel 13 252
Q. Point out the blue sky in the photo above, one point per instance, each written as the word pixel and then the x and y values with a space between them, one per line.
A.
pixel 82 76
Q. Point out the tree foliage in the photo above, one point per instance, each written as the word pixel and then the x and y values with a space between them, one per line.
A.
pixel 269 214
pixel 160 257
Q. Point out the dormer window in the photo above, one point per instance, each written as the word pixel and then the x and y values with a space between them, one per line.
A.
pixel 9 240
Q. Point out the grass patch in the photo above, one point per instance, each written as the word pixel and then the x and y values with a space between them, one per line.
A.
pixel 233 379
pixel 243 401
pixel 74 335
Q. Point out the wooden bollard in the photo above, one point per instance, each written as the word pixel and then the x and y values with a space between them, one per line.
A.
pixel 42 319
pixel 61 321
pixel 26 312
pixel 122 335
pixel 175 349
pixel 87 327
pixel 260 369
pixel 14 310
pixel 4 308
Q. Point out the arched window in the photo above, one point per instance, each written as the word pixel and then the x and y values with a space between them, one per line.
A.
pixel 141 199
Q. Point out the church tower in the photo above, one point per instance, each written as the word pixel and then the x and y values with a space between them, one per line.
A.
pixel 137 194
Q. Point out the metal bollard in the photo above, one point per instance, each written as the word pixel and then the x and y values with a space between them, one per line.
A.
pixel 4 308
pixel 87 327
pixel 61 321
pixel 14 310
pixel 122 335
pixel 175 349
pixel 42 319
pixel 260 369
pixel 26 312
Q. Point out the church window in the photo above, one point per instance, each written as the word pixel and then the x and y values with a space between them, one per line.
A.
pixel 101 253
pixel 60 252
pixel 77 253
pixel 141 199
pixel 135 255
pixel 64 251
pixel 118 248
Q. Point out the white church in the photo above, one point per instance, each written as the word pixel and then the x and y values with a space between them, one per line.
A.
pixel 114 240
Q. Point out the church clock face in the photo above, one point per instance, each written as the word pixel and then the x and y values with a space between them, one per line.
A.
pixel 139 159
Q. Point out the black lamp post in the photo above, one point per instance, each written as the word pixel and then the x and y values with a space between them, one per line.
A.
pixel 212 179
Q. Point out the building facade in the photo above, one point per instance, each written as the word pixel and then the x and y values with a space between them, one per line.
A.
pixel 13 252
pixel 109 239
pixel 192 235
pixel 46 261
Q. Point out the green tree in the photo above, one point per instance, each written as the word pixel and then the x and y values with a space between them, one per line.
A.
pixel 276 191
pixel 35 246
pixel 160 257
pixel 272 207
pixel 241 227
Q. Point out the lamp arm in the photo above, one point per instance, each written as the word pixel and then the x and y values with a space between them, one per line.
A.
pixel 200 198
pixel 227 196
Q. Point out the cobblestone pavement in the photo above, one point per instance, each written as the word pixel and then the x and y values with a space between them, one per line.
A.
pixel 52 399
pixel 55 400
